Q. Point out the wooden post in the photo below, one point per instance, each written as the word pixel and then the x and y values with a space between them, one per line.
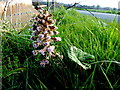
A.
pixel 11 17
pixel 53 5
pixel 47 4
pixel 11 14
pixel 16 14
pixel 5 10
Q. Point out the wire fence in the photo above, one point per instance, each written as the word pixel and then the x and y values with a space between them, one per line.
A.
pixel 17 12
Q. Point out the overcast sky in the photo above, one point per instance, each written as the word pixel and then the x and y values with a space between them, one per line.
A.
pixel 103 3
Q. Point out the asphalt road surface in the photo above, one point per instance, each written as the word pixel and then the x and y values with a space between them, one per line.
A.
pixel 106 16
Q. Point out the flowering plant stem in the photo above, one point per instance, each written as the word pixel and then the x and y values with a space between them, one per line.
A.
pixel 43 31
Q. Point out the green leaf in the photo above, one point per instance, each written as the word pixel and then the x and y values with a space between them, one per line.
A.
pixel 9 73
pixel 78 56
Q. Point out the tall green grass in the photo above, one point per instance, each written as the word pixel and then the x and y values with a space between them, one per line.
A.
pixel 94 36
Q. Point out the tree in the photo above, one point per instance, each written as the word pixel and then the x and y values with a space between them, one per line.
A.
pixel 114 9
pixel 98 6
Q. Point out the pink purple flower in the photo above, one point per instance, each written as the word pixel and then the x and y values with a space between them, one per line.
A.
pixel 48 37
pixel 44 62
pixel 33 34
pixel 31 38
pixel 41 35
pixel 43 21
pixel 51 49
pixel 46 43
pixel 56 27
pixel 35 45
pixel 57 39
pixel 38 40
pixel 34 52
pixel 56 32
pixel 45 32
pixel 42 52
pixel 51 33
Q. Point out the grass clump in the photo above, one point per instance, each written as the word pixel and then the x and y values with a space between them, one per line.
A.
pixel 94 36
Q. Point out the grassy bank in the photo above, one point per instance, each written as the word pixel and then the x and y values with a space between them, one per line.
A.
pixel 102 11
pixel 21 70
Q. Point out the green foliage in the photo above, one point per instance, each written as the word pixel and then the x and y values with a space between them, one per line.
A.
pixel 21 70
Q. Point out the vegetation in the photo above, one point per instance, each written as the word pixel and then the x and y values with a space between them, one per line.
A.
pixel 22 70
pixel 102 11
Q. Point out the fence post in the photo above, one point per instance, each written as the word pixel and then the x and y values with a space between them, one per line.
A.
pixel 11 14
pixel 16 13
pixel 5 11
pixel 20 15
pixel 47 4
pixel 53 5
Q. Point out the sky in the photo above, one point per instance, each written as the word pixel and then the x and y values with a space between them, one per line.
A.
pixel 102 3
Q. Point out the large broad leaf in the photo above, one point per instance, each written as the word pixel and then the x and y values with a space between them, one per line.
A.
pixel 80 57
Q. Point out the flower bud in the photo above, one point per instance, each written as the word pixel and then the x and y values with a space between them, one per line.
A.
pixel 56 32
pixel 43 21
pixel 48 18
pixel 61 57
pixel 34 52
pixel 57 39
pixel 56 28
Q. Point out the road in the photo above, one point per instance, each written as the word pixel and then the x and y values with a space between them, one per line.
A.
pixel 106 16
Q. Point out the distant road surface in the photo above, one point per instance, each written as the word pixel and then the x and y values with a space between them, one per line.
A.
pixel 106 16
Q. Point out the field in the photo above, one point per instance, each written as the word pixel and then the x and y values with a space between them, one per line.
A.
pixel 102 11
pixel 22 70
